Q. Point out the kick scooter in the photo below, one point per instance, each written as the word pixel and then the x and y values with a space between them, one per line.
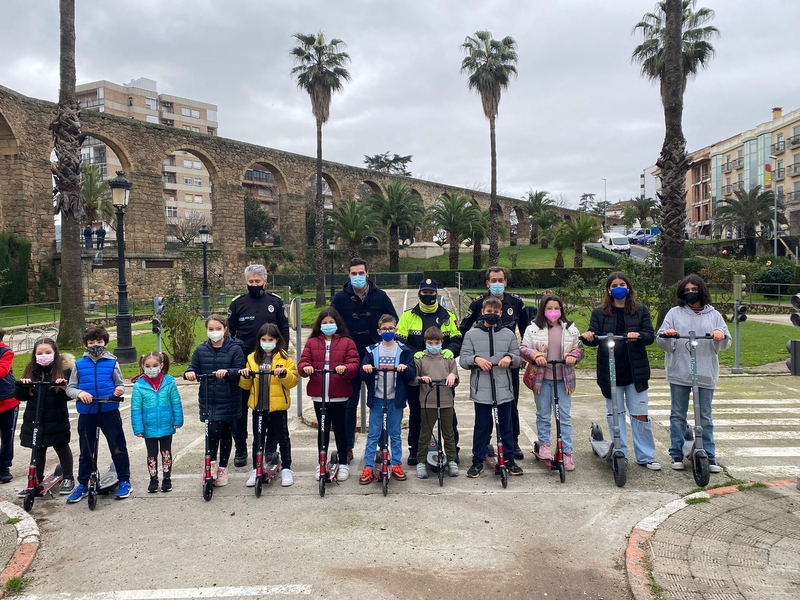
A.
pixel 693 448
pixel 611 451
pixel 34 488
pixel 556 463
pixel 382 455
pixel 436 457
pixel 208 479
pixel 497 463
pixel 328 465
pixel 94 478
pixel 264 473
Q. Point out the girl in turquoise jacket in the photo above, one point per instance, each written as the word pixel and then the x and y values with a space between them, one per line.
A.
pixel 156 412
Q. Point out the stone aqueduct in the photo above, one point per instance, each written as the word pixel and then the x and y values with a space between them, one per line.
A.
pixel 26 186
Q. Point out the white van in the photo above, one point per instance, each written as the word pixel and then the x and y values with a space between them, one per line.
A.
pixel 616 242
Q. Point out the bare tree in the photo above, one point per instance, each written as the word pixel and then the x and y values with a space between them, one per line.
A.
pixel 185 230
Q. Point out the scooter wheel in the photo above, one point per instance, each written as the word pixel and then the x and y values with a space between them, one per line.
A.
pixel 27 504
pixel 92 499
pixel 562 472
pixel 441 474
pixel 208 490
pixel 700 470
pixel 322 486
pixel 385 483
pixel 504 476
pixel 620 469
pixel 259 482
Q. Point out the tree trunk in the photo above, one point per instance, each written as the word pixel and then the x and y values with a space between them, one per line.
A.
pixel 394 248
pixel 750 246
pixel 559 260
pixel 454 244
pixel 543 244
pixel 353 250
pixel 319 234
pixel 494 207
pixel 66 130
pixel 477 255
pixel 534 233
pixel 673 162
pixel 577 262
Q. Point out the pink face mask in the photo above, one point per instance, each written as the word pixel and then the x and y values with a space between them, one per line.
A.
pixel 552 315
pixel 44 360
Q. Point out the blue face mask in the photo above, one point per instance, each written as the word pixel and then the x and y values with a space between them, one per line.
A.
pixel 359 282
pixel 433 349
pixel 497 289
pixel 328 328
pixel 268 346
pixel 387 336
pixel 619 292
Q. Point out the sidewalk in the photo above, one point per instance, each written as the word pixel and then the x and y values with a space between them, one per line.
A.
pixel 19 541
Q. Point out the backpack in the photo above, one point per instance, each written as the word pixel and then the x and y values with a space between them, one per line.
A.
pixel 7 383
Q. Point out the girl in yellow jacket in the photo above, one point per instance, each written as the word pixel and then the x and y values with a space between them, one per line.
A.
pixel 271 350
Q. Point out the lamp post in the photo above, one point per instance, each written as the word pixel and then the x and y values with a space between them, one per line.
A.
pixel 332 248
pixel 775 214
pixel 120 196
pixel 605 206
pixel 204 233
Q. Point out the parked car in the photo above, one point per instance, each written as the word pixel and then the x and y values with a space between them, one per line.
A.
pixel 649 240
pixel 616 242
pixel 636 235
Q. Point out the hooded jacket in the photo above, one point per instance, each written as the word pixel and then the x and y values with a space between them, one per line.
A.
pixel 55 430
pixel 224 400
pixel 279 397
pixel 477 344
pixel 343 352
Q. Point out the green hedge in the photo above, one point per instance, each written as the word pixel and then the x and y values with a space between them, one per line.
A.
pixel 15 259
pixel 601 253
pixel 518 278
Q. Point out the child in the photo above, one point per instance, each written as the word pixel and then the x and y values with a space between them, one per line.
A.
pixel 552 337
pixel 483 347
pixel 9 408
pixel 388 353
pixel 222 356
pixel 330 347
pixel 433 366
pixel 271 350
pixel 97 375
pixel 156 412
pixel 47 365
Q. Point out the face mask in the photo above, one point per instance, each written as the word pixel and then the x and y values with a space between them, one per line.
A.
pixel 433 349
pixel 619 293
pixel 216 336
pixel 44 360
pixel 96 351
pixel 387 336
pixel 328 328
pixel 497 289
pixel 268 346
pixel 552 315
pixel 491 319
pixel 255 290
pixel 427 299
pixel 358 281
pixel 152 372
pixel 692 297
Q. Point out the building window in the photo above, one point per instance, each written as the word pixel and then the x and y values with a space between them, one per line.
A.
pixel 186 112
pixel 198 199
pixel 188 198
pixel 212 131
pixel 151 119
pixel 187 164
pixel 197 165
pixel 103 171
pixel 265 192
pixel 151 103
pixel 100 93
pixel 198 182
pixel 171 199
pixel 187 127
pixel 167 107
pixel 172 211
pixel 211 115
pixel 187 181
pixel 195 114
pixel 196 129
pixel 170 178
pixel 189 214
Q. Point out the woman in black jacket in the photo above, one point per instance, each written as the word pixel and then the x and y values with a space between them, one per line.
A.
pixel 620 314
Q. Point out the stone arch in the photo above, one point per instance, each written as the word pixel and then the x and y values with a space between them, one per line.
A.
pixel 11 184
pixel 333 185
pixel 127 163
pixel 269 186
pixel 361 191
pixel 519 227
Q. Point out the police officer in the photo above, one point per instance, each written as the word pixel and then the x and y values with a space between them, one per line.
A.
pixel 246 314
pixel 514 316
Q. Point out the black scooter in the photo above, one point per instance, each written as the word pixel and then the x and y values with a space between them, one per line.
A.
pixel 436 447
pixel 94 479
pixel 36 489
pixel 556 463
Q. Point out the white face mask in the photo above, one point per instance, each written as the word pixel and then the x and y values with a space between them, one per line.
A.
pixel 216 336
pixel 152 372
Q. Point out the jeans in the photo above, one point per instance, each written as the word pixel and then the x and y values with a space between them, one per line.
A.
pixel 677 420
pixel 110 423
pixel 644 446
pixel 544 413
pixel 484 422
pixel 394 418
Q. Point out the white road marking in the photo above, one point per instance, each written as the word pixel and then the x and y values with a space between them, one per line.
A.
pixel 755 435
pixel 754 452
pixel 184 451
pixel 740 422
pixel 210 592
pixel 716 410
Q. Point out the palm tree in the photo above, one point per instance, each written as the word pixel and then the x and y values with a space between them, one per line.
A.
pixel 490 64
pixel 453 214
pixel 675 46
pixel 320 72
pixel 578 231
pixel 96 196
pixel 477 231
pixel 397 207
pixel 644 207
pixel 67 173
pixel 538 203
pixel 546 221
pixel 351 222
pixel 747 210
pixel 557 237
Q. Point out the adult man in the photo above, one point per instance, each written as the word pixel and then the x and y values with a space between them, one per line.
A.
pixel 101 237
pixel 87 237
pixel 360 304
pixel 246 314
pixel 410 329
pixel 514 315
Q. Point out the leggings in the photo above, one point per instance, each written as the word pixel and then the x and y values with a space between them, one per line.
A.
pixel 220 437
pixel 334 420
pixel 64 457
pixel 152 445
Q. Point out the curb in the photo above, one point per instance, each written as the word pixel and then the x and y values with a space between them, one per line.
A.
pixel 637 555
pixel 27 543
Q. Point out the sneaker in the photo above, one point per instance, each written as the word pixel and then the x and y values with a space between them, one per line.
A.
pixel 544 452
pixel 6 477
pixel 714 468
pixel 344 473
pixel 422 471
pixel 36 494
pixel 569 464
pixel 79 493
pixel 453 469
pixel 240 458
pixel 222 477
pixel 366 476
pixel 287 477
pixel 124 490
pixel 153 487
pixel 22 493
pixel 518 455
pixel 398 473
pixel 251 481
pixel 67 486
pixel 513 468
pixel 652 465
pixel 412 459
pixel 475 470
pixel 677 465
pixel 166 485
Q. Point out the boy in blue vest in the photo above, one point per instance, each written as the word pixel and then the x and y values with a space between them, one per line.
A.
pixel 97 375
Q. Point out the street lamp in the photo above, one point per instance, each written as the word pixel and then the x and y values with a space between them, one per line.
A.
pixel 120 196
pixel 775 198
pixel 332 248
pixel 204 233
pixel 605 206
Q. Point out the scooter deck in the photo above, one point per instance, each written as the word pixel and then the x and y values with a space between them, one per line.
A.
pixel 547 462
pixel 50 482
pixel 108 481
pixel 433 456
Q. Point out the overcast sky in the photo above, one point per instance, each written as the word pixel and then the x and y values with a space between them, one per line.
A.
pixel 578 112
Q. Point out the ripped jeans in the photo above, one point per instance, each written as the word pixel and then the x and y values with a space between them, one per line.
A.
pixel 644 445
pixel 110 423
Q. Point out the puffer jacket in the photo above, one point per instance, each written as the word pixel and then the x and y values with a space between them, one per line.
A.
pixel 224 401
pixel 156 414
pixel 476 344
pixel 55 429
pixel 343 352
pixel 279 397
pixel 535 342
pixel 437 367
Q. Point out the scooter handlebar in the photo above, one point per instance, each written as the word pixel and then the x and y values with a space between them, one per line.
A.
pixel 707 336
pixel 112 399
pixel 435 382
pixel 198 376
pixel 256 372
pixel 323 371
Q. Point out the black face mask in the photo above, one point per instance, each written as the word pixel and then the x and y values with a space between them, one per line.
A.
pixel 255 291
pixel 490 319
pixel 96 351
pixel 427 299
pixel 692 297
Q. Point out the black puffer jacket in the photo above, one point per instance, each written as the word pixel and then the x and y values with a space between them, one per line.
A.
pixel 55 429
pixel 640 321
pixel 224 396
pixel 361 316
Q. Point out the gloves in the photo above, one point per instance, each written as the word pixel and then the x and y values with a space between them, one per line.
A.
pixel 419 354
pixel 446 353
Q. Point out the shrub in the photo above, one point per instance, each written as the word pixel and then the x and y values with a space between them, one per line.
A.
pixel 15 258
pixel 178 320
pixel 780 270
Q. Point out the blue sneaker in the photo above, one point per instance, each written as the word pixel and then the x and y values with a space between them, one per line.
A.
pixel 81 491
pixel 124 490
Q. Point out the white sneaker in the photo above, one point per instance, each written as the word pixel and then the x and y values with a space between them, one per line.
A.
pixel 316 474
pixel 251 481
pixel 654 465
pixel 344 473
pixel 287 477
pixel 677 465
pixel 714 468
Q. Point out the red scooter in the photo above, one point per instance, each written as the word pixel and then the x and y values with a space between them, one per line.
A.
pixel 328 466
pixel 556 463
pixel 36 489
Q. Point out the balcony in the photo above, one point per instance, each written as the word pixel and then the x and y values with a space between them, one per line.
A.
pixel 738 163
pixel 794 169
pixel 793 196
pixel 727 190
pixel 779 173
pixel 794 141
pixel 778 147
pixel 259 176
pixel 727 167
pixel 737 185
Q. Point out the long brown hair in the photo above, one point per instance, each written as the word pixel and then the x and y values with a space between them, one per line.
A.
pixel 272 330
pixel 341 328
pixel 608 300
pixel 56 370
pixel 541 320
